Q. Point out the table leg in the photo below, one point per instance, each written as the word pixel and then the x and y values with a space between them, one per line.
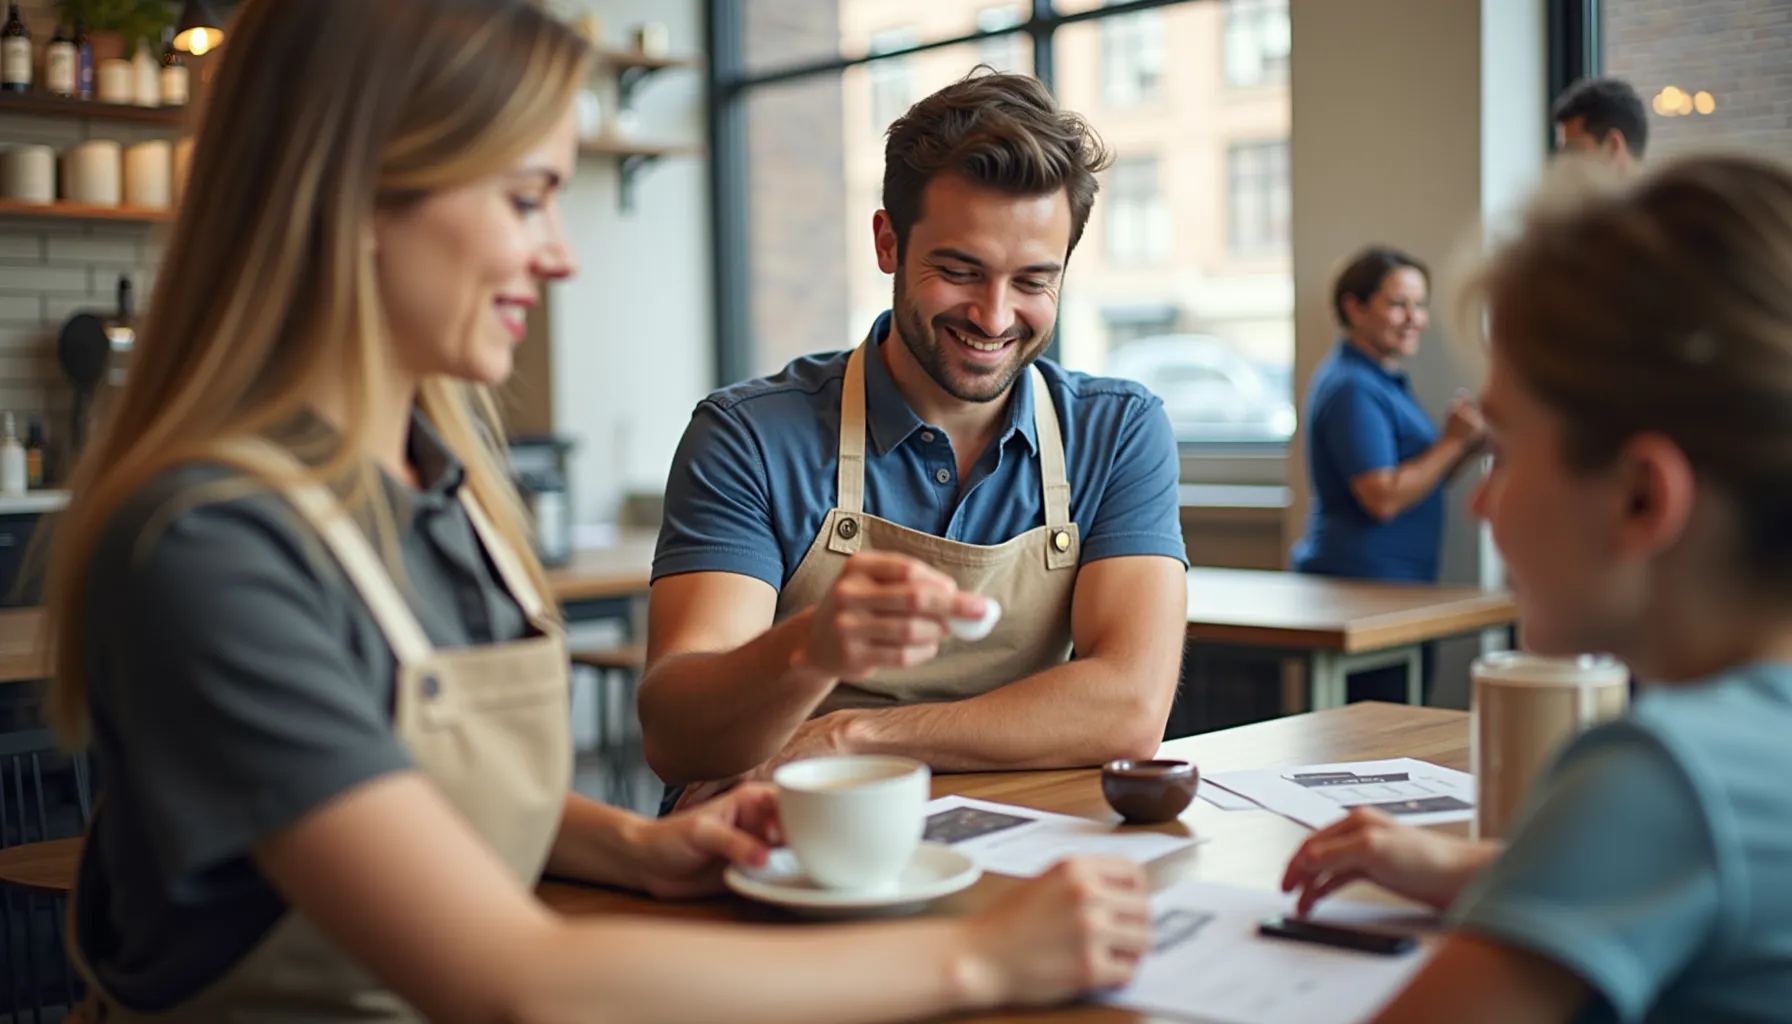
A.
pixel 1326 681
pixel 1415 675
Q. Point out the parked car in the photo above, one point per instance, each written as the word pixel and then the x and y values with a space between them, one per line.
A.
pixel 1210 391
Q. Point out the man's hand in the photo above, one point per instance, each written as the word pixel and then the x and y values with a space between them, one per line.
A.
pixel 683 855
pixel 825 736
pixel 884 611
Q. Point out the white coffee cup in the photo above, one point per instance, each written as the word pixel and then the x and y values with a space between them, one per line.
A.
pixel 1525 709
pixel 853 821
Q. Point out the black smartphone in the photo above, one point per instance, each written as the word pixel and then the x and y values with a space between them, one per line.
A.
pixel 1362 940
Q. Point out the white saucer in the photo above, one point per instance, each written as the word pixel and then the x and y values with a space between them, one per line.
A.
pixel 936 870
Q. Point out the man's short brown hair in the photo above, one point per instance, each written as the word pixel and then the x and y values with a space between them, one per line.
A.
pixel 997 131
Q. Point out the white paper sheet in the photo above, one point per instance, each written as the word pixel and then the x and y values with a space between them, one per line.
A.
pixel 1210 964
pixel 1224 799
pixel 1417 792
pixel 1012 840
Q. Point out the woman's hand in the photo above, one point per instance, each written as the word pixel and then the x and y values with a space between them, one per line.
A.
pixel 1083 925
pixel 683 855
pixel 1370 846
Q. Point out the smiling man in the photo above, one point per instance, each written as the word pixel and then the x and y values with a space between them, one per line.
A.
pixel 824 527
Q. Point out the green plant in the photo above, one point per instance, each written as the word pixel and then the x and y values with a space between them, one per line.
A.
pixel 132 20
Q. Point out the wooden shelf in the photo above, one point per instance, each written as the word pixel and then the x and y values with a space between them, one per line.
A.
pixel 620 59
pixel 631 159
pixel 631 149
pixel 78 211
pixel 45 105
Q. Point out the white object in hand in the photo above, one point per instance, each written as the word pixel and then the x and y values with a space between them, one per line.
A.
pixel 977 629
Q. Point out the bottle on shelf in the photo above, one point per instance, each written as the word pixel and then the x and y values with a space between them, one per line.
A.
pixel 12 460
pixel 15 52
pixel 146 75
pixel 34 454
pixel 174 73
pixel 62 63
pixel 83 59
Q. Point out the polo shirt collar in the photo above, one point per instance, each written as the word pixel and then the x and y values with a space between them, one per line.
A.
pixel 891 421
pixel 1352 353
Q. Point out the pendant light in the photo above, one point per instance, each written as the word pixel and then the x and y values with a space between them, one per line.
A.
pixel 200 29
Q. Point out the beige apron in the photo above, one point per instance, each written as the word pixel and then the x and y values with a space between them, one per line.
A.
pixel 487 725
pixel 1032 575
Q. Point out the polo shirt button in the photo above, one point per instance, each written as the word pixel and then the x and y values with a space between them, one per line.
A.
pixel 432 687
pixel 943 476
pixel 927 436
pixel 848 528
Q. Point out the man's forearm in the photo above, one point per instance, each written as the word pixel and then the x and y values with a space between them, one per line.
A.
pixel 1084 712
pixel 713 716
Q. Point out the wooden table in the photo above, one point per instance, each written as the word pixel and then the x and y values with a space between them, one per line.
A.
pixel 1246 848
pixel 1337 626
pixel 618 572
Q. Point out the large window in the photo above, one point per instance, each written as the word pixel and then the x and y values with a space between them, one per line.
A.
pixel 1181 280
pixel 1257 42
pixel 1138 223
pixel 1258 192
pixel 1002 52
pixel 1132 58
pixel 1712 72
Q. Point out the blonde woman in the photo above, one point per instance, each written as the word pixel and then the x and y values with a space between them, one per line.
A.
pixel 297 617
pixel 1640 411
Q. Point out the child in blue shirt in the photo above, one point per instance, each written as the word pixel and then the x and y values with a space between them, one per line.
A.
pixel 1639 404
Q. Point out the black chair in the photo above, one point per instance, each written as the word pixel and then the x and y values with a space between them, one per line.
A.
pixel 46 800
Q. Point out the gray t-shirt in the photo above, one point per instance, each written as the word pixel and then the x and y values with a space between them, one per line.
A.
pixel 237 682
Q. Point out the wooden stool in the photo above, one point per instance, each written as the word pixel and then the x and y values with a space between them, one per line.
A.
pixel 623 663
pixel 47 867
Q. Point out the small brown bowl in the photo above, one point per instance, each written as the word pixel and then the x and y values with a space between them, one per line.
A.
pixel 1149 792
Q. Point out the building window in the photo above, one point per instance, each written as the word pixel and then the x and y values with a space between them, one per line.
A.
pixel 1259 199
pixel 1003 52
pixel 1132 58
pixel 893 78
pixel 1257 42
pixel 1138 220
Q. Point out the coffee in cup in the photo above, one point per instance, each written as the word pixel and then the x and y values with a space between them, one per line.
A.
pixel 853 821
pixel 1525 710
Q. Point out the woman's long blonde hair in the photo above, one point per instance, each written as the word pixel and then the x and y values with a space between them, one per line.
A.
pixel 321 113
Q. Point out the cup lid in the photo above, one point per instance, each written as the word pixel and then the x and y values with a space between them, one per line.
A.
pixel 1521 668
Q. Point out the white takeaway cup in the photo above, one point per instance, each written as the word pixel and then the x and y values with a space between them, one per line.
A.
pixel 1524 709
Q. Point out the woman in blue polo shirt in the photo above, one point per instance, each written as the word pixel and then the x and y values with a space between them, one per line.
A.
pixel 1378 465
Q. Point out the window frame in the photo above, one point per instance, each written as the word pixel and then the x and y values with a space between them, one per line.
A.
pixel 1259 150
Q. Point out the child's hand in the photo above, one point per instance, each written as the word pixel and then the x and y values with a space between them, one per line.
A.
pixel 1422 865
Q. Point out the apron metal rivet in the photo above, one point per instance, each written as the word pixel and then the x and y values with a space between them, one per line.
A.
pixel 848 528
pixel 1061 541
pixel 432 687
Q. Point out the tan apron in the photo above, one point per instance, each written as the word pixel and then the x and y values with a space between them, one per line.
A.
pixel 487 725
pixel 1032 575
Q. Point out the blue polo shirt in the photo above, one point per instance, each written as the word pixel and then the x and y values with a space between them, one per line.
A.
pixel 1653 858
pixel 1362 417
pixel 754 476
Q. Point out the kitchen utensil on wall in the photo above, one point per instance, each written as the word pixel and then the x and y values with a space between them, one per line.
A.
pixel 83 348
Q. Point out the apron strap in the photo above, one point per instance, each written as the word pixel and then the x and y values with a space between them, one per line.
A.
pixel 851 474
pixel 350 546
pixel 510 568
pixel 1054 481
